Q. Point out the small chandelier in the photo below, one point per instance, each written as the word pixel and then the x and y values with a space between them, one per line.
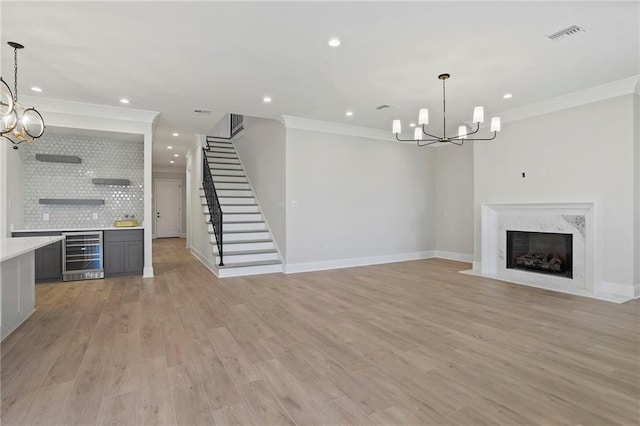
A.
pixel 423 120
pixel 19 124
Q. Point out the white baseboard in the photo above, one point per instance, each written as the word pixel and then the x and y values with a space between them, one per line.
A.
pixel 147 272
pixel 153 236
pixel 477 266
pixel 358 261
pixel 636 290
pixel 206 262
pixel 451 255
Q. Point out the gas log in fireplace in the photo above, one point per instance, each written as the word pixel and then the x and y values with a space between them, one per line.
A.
pixel 543 252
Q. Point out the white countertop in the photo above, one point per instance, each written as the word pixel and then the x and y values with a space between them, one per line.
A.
pixel 14 247
pixel 106 228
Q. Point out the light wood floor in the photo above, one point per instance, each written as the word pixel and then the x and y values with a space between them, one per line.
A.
pixel 405 343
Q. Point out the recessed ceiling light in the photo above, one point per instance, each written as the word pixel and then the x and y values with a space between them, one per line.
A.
pixel 176 155
pixel 266 100
pixel 412 124
pixel 36 89
pixel 507 96
pixel 176 134
pixel 348 113
pixel 171 162
pixel 334 42
pixel 124 101
pixel 169 147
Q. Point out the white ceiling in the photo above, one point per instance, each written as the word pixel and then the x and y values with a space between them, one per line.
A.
pixel 173 57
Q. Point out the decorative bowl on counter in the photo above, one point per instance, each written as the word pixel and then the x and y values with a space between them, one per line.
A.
pixel 125 223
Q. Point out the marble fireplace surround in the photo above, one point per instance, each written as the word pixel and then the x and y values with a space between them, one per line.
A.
pixel 567 218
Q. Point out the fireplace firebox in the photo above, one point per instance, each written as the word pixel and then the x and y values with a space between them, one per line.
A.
pixel 542 252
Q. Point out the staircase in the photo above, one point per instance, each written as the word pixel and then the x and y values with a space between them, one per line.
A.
pixel 248 247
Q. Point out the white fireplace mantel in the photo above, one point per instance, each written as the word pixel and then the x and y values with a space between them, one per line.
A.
pixel 572 218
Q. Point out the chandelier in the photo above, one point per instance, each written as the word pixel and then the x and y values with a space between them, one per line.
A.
pixel 423 119
pixel 19 124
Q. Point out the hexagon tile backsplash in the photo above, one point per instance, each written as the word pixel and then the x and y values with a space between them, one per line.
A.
pixel 100 158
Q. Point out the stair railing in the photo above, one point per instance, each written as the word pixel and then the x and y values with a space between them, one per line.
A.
pixel 213 203
pixel 236 125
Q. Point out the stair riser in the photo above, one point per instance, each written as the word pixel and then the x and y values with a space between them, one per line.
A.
pixel 229 179
pixel 223 153
pixel 238 209
pixel 221 145
pixel 230 258
pixel 227 200
pixel 223 160
pixel 230 248
pixel 215 172
pixel 231 185
pixel 230 217
pixel 254 270
pixel 243 227
pixel 258 235
pixel 222 193
pixel 225 166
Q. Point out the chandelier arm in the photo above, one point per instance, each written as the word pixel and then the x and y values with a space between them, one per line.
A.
pixel 470 133
pixel 429 134
pixel 456 143
pixel 11 140
pixel 485 139
pixel 415 140
pixel 15 74
pixel 430 142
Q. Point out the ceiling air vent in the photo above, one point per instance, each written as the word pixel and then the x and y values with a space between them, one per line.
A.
pixel 202 111
pixel 569 31
pixel 383 106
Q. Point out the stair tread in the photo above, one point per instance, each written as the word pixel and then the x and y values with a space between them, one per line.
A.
pixel 247 252
pixel 248 264
pixel 234 189
pixel 238 205
pixel 263 240
pixel 255 231
pixel 235 196
pixel 224 222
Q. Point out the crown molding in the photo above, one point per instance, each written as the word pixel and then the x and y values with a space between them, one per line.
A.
pixel 626 86
pixel 57 106
pixel 292 122
pixel 168 169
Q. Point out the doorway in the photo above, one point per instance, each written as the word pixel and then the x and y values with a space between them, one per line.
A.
pixel 168 211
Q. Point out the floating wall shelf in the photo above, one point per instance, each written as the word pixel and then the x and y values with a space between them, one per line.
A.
pixel 52 158
pixel 119 182
pixel 71 201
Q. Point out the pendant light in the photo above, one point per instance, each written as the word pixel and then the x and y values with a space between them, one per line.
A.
pixel 463 134
pixel 19 124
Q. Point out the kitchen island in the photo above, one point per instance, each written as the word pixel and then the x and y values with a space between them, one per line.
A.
pixel 17 279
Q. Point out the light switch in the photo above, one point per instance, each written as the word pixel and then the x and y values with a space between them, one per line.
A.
pixel 45 216
pixel 95 216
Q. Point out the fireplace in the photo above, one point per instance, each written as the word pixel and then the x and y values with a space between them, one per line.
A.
pixel 541 252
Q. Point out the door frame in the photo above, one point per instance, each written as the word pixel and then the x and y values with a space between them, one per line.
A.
pixel 155 204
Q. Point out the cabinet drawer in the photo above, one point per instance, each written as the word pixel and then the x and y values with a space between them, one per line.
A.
pixel 128 235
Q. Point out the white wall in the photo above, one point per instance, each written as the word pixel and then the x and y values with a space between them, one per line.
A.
pixel 454 201
pixel 358 200
pixel 261 148
pixel 181 176
pixel 585 153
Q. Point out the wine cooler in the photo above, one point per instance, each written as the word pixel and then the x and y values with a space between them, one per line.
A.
pixel 82 256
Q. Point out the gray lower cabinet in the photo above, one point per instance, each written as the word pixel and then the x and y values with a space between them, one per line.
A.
pixel 123 252
pixel 48 259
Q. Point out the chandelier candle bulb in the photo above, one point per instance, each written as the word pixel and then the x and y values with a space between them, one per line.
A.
pixel 397 127
pixel 417 133
pixel 423 116
pixel 478 114
pixel 495 124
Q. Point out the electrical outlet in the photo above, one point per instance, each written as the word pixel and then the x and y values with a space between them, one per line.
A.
pixel 95 216
pixel 45 216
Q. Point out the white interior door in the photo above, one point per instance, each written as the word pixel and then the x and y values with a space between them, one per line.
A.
pixel 168 208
